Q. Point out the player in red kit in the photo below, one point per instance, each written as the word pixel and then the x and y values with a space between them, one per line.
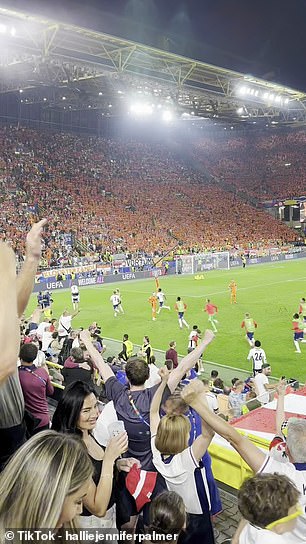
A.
pixel 212 311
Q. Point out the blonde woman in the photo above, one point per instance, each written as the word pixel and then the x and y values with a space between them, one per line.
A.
pixel 44 484
pixel 181 465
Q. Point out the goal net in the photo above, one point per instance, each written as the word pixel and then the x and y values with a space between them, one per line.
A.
pixel 201 262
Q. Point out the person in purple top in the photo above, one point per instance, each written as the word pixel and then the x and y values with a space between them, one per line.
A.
pixel 36 385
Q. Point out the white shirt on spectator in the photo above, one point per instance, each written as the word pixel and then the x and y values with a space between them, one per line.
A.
pixel 64 325
pixel 297 474
pixel 179 473
pixel 154 378
pixel 254 535
pixel 212 401
pixel 260 381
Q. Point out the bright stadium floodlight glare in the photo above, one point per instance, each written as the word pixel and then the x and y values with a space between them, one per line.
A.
pixel 167 116
pixel 141 109
pixel 240 110
pixel 13 31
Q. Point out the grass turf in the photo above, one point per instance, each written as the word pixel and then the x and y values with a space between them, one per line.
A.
pixel 270 293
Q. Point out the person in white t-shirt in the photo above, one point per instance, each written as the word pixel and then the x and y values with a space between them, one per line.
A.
pixel 211 398
pixel 262 386
pixel 154 377
pixel 269 504
pixel 180 465
pixel 75 296
pixel 161 299
pixel 258 357
pixel 115 300
pixel 257 460
pixel 64 323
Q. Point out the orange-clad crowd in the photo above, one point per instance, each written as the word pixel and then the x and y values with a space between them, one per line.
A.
pixel 130 196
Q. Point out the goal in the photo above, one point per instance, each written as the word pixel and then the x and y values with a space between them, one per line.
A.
pixel 202 262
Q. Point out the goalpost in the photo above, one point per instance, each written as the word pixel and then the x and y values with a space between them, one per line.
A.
pixel 202 262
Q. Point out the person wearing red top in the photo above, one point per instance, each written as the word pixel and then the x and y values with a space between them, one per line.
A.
pixel 211 310
pixel 36 385
pixel 171 354
pixel 298 332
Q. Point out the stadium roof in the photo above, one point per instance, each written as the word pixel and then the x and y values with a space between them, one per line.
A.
pixel 68 66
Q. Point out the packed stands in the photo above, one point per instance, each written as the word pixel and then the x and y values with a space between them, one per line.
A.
pixel 261 165
pixel 116 196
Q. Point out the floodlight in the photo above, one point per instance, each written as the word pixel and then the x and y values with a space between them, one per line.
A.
pixel 167 116
pixel 20 90
pixel 100 93
pixel 63 97
pixel 240 111
pixel 13 31
pixel 266 96
pixel 286 100
pixel 242 90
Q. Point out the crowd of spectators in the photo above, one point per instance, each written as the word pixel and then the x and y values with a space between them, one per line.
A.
pixel 141 462
pixel 261 166
pixel 105 197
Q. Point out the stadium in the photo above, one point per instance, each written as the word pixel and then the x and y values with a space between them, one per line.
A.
pixel 147 197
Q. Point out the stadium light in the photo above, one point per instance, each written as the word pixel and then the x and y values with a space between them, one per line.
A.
pixel 167 116
pixel 141 108
pixel 240 110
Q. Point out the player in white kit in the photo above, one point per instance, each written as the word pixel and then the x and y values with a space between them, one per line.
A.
pixel 75 296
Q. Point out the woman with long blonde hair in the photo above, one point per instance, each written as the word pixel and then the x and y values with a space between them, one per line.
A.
pixel 44 483
pixel 181 465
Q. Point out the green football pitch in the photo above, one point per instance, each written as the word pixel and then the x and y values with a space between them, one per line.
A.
pixel 270 293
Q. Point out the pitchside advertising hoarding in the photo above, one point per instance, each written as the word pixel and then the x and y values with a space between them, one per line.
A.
pixel 52 285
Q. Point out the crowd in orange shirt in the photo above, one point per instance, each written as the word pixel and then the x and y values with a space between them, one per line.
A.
pixel 116 196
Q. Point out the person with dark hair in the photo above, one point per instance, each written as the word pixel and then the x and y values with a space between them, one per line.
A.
pixel 77 413
pixel 36 385
pixel 132 405
pixel 146 349
pixel 258 357
pixel 213 375
pixel 154 377
pixel 127 348
pixel 76 369
pixel 167 517
pixel 172 353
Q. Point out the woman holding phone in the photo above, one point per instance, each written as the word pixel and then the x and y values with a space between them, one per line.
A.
pixel 77 413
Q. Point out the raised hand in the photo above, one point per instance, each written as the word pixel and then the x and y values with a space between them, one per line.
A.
pixel 192 391
pixel 117 445
pixel 33 240
pixel 164 373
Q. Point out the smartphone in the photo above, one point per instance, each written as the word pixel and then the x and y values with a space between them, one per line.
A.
pixel 115 428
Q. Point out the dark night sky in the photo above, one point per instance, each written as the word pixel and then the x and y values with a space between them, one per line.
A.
pixel 261 37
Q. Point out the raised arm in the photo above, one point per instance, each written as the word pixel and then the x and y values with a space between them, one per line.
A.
pixel 193 395
pixel 25 279
pixel 98 496
pixel 103 368
pixel 189 361
pixel 156 401
pixel 9 326
pixel 280 407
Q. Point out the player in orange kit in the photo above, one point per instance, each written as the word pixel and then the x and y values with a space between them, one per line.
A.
pixel 153 302
pixel 233 287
